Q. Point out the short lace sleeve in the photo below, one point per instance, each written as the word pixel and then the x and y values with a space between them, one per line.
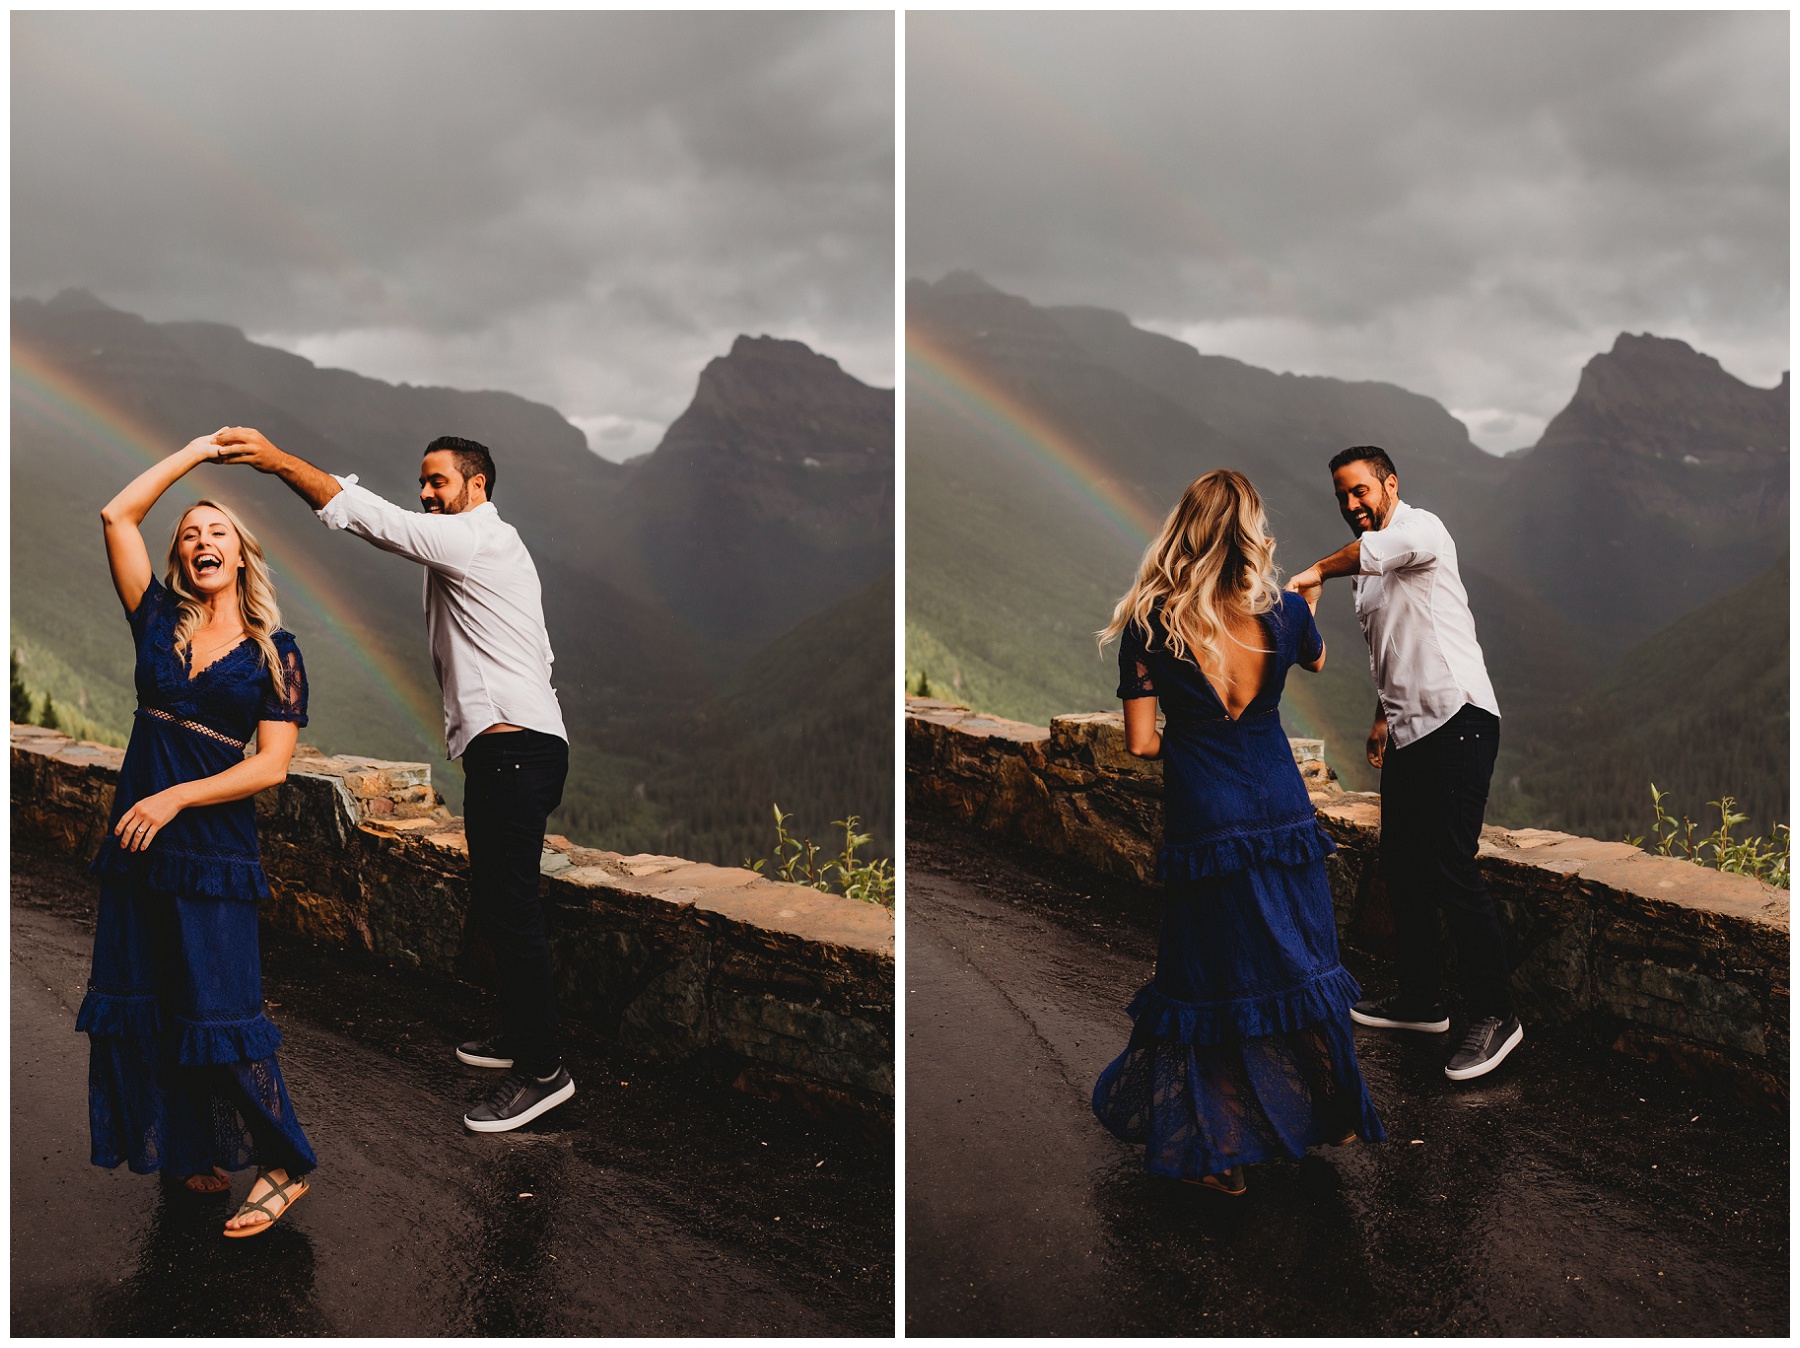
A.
pixel 1308 643
pixel 154 603
pixel 290 703
pixel 1134 664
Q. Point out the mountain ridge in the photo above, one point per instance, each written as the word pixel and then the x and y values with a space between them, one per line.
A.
pixel 1574 552
pixel 630 665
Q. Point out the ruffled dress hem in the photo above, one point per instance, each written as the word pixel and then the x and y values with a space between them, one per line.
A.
pixel 1295 842
pixel 1287 1091
pixel 1324 997
pixel 197 1043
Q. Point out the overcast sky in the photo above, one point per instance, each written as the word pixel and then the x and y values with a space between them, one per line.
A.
pixel 1468 205
pixel 579 208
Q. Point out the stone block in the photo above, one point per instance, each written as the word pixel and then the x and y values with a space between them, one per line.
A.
pixel 1682 1002
pixel 811 1039
pixel 670 1019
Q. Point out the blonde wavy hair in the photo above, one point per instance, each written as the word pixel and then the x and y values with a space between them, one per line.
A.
pixel 1213 555
pixel 257 608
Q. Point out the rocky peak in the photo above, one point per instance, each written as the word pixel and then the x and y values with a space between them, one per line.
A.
pixel 1659 395
pixel 777 402
pixel 773 376
pixel 78 301
pixel 963 282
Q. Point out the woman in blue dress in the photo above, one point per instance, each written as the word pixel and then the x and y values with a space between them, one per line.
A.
pixel 1241 1047
pixel 182 1076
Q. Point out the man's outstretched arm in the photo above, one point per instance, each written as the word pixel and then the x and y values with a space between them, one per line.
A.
pixel 241 444
pixel 1346 561
pixel 445 542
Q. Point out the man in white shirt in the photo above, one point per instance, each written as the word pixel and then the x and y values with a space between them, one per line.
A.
pixel 1436 733
pixel 484 617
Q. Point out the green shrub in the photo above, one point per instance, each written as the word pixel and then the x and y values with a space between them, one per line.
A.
pixel 1764 858
pixel 797 861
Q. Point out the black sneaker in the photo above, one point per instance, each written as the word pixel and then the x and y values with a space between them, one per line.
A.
pixel 1485 1047
pixel 1396 1013
pixel 518 1100
pixel 487 1052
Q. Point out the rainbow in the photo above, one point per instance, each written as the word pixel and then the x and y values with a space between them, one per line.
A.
pixel 936 370
pixel 78 410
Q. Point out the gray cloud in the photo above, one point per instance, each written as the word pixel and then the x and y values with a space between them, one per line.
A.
pixel 581 208
pixel 1469 205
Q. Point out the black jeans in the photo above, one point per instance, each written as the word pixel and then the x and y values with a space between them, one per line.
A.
pixel 1433 795
pixel 513 780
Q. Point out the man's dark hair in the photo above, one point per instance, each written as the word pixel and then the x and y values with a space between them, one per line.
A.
pixel 471 458
pixel 1373 455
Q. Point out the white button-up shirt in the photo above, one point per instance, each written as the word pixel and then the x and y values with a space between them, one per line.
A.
pixel 1415 614
pixel 484 610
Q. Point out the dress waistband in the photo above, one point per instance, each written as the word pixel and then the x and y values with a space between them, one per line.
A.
pixel 194 726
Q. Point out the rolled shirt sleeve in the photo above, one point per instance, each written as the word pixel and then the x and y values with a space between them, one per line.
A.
pixel 442 542
pixel 1406 543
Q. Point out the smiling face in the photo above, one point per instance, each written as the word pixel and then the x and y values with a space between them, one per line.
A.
pixel 1364 500
pixel 443 490
pixel 210 551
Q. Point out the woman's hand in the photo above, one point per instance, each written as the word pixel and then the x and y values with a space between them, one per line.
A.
pixel 202 447
pixel 139 825
pixel 1308 584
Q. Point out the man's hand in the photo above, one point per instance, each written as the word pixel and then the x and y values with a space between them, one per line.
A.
pixel 1308 584
pixel 241 444
pixel 1377 745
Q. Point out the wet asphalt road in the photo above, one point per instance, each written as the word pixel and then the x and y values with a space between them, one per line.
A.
pixel 1574 1191
pixel 659 1203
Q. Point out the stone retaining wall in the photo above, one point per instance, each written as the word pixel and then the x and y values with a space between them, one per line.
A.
pixel 792 987
pixel 1658 957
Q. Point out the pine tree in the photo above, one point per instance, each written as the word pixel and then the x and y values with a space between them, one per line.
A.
pixel 49 718
pixel 21 696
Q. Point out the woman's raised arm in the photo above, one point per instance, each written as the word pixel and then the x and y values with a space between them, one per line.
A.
pixel 121 516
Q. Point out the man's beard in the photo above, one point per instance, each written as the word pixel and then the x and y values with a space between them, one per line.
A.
pixel 456 507
pixel 1378 511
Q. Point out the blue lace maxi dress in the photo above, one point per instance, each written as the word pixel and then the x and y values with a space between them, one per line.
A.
pixel 181 1068
pixel 1241 1047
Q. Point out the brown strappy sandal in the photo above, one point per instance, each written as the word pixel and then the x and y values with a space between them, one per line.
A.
pixel 1225 1182
pixel 262 1205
